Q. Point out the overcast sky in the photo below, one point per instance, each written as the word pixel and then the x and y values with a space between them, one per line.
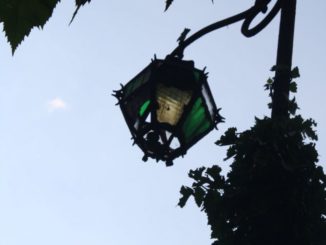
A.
pixel 69 174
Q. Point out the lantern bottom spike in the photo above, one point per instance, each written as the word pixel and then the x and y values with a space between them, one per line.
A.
pixel 169 163
pixel 145 158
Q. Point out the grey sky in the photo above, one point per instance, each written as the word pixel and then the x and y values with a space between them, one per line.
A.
pixel 68 172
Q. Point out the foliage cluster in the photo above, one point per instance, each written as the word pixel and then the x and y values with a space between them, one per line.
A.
pixel 19 17
pixel 275 193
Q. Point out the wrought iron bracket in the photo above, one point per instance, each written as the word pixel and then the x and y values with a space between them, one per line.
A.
pixel 260 6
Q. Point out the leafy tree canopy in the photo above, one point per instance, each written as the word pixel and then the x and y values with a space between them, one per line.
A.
pixel 275 192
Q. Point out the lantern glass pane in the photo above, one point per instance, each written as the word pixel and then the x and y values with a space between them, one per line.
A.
pixel 135 83
pixel 197 75
pixel 171 102
pixel 196 122
pixel 208 101
pixel 137 105
pixel 144 107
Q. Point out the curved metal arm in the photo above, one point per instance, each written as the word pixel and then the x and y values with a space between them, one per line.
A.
pixel 248 16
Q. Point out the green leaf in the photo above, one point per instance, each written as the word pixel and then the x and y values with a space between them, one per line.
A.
pixel 214 172
pixel 185 192
pixel 293 87
pixel 196 174
pixel 280 68
pixel 199 196
pixel 295 72
pixel 168 4
pixel 269 84
pixel 273 68
pixel 231 152
pixel 228 138
pixel 19 17
pixel 293 106
pixel 270 81
pixel 308 130
pixel 79 3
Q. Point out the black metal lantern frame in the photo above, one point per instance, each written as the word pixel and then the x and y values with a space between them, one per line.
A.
pixel 168 107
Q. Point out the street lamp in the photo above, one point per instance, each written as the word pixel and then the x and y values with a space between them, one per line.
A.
pixel 168 106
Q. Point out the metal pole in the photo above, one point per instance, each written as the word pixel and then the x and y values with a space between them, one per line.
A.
pixel 280 105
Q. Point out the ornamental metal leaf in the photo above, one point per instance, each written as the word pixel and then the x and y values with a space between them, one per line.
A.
pixel 183 35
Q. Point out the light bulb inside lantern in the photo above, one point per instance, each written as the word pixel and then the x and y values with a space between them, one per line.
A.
pixel 171 102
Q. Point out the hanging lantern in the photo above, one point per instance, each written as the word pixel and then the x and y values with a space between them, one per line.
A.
pixel 168 107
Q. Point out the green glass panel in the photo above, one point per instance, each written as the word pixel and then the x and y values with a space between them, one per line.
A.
pixel 196 122
pixel 137 82
pixel 144 107
pixel 197 75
